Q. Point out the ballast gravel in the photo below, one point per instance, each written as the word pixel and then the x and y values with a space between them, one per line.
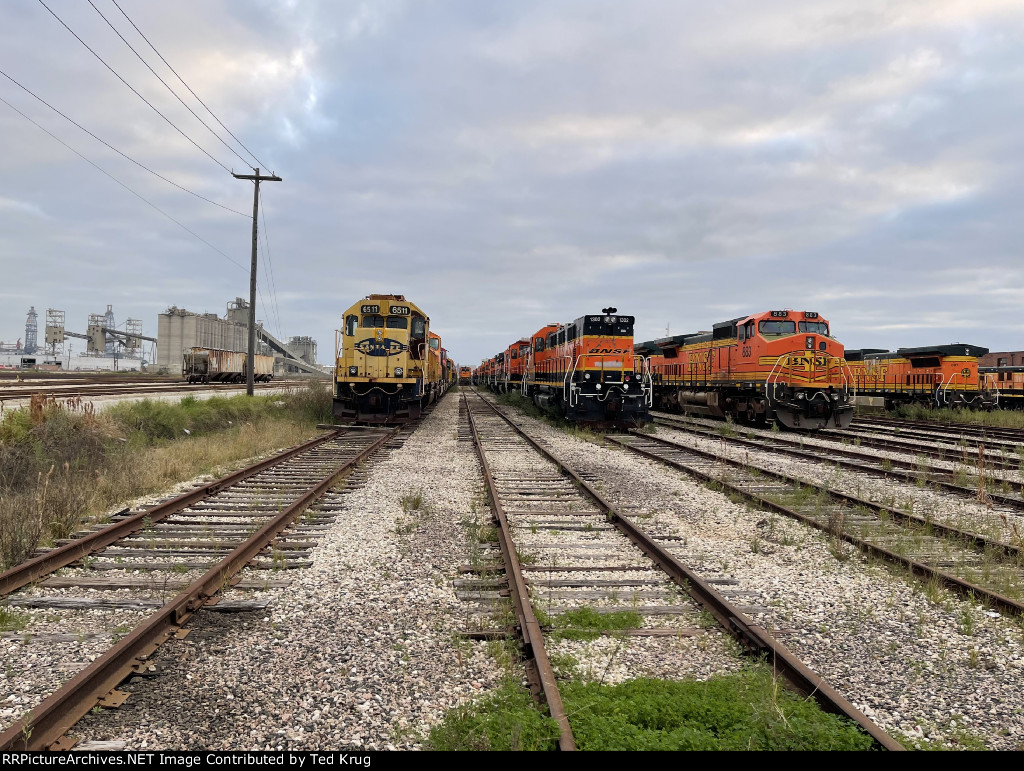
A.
pixel 363 650
pixel 929 666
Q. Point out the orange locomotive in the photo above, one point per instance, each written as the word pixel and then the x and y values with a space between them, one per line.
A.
pixel 1005 385
pixel 938 375
pixel 778 365
pixel 584 370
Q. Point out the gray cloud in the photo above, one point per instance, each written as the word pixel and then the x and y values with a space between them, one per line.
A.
pixel 509 165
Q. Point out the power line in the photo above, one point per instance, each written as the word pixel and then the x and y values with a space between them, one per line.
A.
pixel 110 146
pixel 122 184
pixel 270 267
pixel 168 120
pixel 215 134
pixel 186 85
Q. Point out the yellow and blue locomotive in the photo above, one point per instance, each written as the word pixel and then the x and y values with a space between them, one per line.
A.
pixel 387 363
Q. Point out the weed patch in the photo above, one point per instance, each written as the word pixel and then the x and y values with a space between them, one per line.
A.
pixel 747 710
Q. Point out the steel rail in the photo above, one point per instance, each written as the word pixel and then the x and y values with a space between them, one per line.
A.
pixel 753 637
pixel 529 627
pixel 786 447
pixel 34 569
pixel 958 585
pixel 45 724
pixel 892 444
pixel 976 541
pixel 967 430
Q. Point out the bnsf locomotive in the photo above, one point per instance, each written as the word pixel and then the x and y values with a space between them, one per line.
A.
pixel 779 365
pixel 583 370
pixel 937 376
pixel 389 365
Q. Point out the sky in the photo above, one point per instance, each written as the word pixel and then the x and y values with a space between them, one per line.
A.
pixel 505 165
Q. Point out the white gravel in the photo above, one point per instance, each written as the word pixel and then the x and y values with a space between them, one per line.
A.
pixel 938 671
pixel 362 650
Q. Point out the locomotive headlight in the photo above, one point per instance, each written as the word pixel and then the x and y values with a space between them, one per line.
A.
pixel 353 370
pixel 835 397
pixel 625 386
pixel 597 386
pixel 801 395
pixel 586 376
pixel 399 372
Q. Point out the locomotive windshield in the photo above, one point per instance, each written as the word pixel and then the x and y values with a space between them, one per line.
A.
pixel 777 327
pixel 817 327
pixel 398 322
pixel 372 321
pixel 608 325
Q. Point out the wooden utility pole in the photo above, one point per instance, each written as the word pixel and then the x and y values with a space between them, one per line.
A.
pixel 250 360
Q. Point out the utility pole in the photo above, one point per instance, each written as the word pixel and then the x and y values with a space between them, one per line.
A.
pixel 256 178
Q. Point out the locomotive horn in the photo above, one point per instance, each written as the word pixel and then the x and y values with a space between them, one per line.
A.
pixel 607 311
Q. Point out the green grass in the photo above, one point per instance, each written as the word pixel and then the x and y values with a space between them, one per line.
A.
pixel 996 418
pixel 507 719
pixel 587 624
pixel 747 710
pixel 12 620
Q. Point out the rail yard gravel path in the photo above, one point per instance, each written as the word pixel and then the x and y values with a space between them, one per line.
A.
pixel 361 651
pixel 942 671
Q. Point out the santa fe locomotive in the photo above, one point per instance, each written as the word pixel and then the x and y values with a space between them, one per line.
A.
pixel 584 370
pixel 781 365
pixel 388 364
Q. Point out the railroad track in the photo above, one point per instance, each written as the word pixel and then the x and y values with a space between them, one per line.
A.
pixel 912 472
pixel 966 562
pixel 534 494
pixel 192 548
pixel 952 432
pixel 17 393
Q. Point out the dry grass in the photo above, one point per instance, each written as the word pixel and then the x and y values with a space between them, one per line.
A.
pixel 62 467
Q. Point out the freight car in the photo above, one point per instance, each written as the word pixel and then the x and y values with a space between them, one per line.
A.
pixel 210 365
pixel 781 365
pixel 937 376
pixel 388 364
pixel 583 370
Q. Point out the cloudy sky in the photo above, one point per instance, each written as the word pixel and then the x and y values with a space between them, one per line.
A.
pixel 509 164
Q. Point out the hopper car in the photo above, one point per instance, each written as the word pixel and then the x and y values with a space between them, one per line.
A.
pixel 210 365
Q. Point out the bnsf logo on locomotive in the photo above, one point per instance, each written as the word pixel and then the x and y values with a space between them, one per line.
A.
pixel 382 347
pixel 607 350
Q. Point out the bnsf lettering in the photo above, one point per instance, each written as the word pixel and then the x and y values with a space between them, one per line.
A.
pixel 607 350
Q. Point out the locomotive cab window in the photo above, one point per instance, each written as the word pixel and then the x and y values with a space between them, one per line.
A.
pixel 417 336
pixel 351 322
pixel 538 344
pixel 372 321
pixel 777 327
pixel 398 322
pixel 815 327
pixel 435 343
